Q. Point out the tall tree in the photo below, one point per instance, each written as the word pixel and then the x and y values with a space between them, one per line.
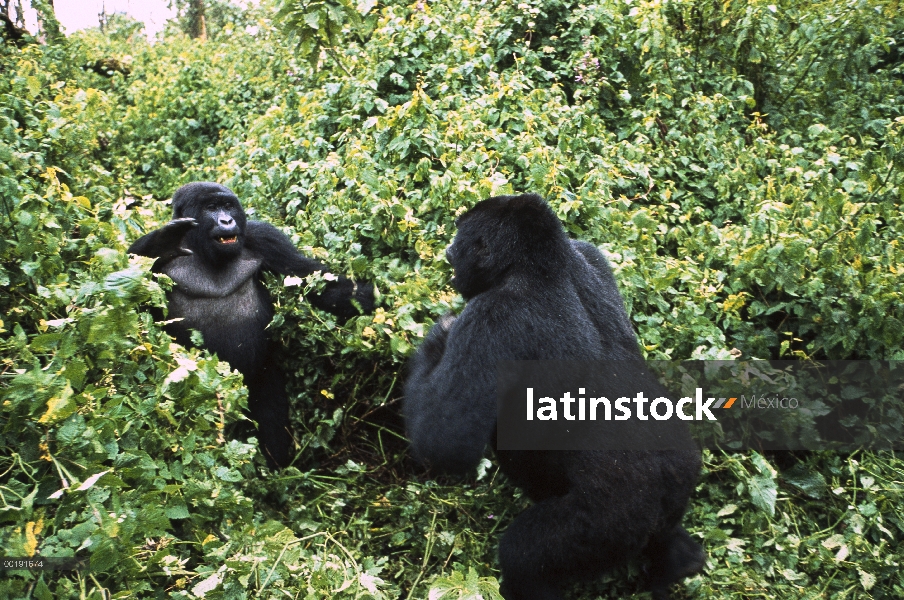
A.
pixel 14 28
pixel 197 28
pixel 50 26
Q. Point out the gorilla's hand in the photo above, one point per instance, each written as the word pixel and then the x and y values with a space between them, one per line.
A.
pixel 363 294
pixel 171 235
pixel 166 242
pixel 337 295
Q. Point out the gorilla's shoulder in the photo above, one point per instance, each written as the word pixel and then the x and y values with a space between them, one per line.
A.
pixel 497 314
pixel 262 227
pixel 266 240
pixel 257 231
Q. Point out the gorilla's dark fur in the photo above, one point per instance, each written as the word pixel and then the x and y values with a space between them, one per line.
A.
pixel 533 294
pixel 216 257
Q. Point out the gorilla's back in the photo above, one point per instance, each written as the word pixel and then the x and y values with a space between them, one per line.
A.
pixel 582 317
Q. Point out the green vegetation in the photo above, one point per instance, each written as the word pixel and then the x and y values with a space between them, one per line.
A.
pixel 741 162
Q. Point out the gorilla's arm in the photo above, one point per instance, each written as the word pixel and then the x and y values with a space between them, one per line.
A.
pixel 280 256
pixel 166 242
pixel 450 400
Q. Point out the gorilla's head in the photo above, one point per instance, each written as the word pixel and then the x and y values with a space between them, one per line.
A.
pixel 505 235
pixel 220 234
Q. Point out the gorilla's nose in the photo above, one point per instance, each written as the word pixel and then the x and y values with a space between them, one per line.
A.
pixel 227 221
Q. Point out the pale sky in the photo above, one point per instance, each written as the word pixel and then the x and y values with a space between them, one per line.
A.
pixel 81 14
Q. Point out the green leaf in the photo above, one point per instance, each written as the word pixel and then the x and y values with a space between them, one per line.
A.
pixel 312 19
pixel 41 591
pixel 177 511
pixel 365 6
pixel 59 407
pixel 34 85
pixel 810 482
pixel 762 487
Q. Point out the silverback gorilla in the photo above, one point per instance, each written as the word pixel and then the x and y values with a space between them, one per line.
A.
pixel 533 294
pixel 216 257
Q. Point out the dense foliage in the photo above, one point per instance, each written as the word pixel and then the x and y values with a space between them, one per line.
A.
pixel 740 162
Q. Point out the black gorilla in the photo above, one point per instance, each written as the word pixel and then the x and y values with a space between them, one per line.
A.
pixel 216 257
pixel 533 294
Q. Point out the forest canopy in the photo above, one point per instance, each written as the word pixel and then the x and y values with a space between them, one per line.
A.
pixel 740 163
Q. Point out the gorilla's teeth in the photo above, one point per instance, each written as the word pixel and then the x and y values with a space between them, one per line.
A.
pixel 228 240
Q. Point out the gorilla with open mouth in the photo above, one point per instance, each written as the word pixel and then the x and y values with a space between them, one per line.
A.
pixel 216 257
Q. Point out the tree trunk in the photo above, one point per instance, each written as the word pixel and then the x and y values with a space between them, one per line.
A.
pixel 47 21
pixel 13 29
pixel 197 26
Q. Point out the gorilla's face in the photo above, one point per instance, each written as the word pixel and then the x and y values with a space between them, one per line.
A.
pixel 222 222
pixel 220 234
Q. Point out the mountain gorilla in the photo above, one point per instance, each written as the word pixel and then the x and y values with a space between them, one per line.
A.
pixel 533 294
pixel 216 257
